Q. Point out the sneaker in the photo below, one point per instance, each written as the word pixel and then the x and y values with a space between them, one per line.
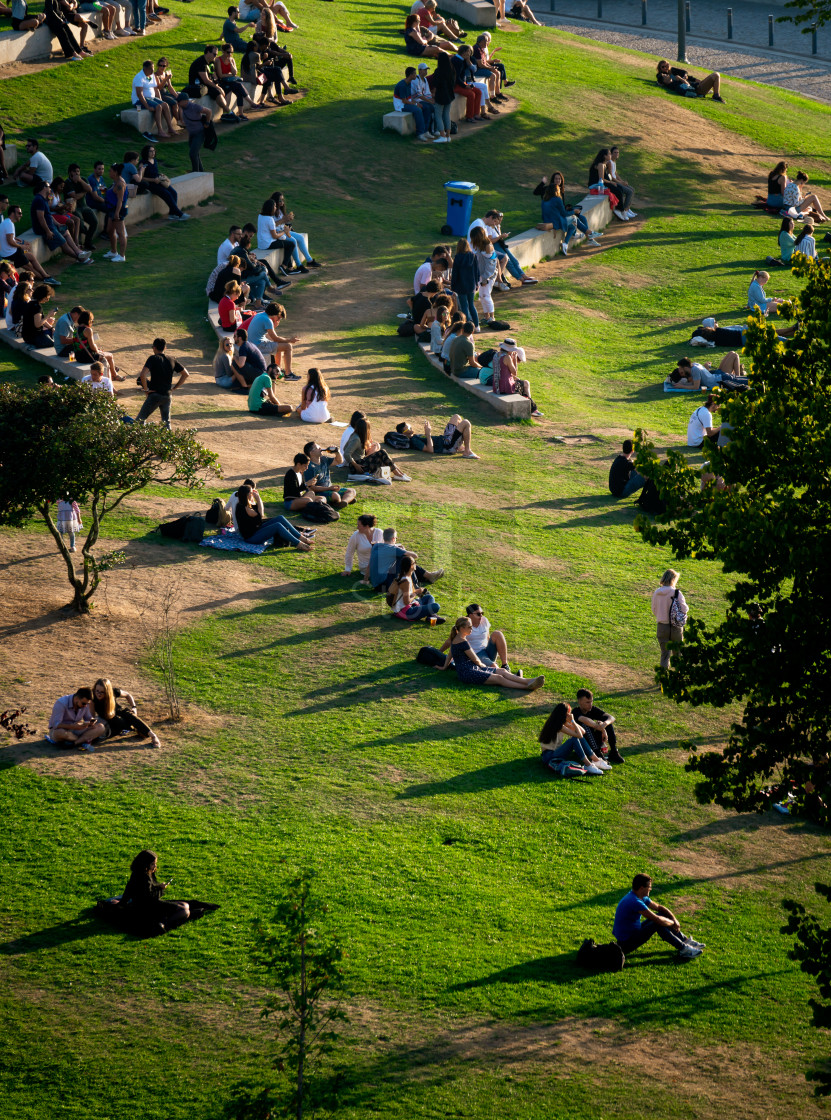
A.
pixel 314 264
pixel 358 477
pixel 564 248
pixel 630 213
pixel 425 138
pixel 401 478
pixel 117 259
pixel 717 98
pixel 86 260
pixel 503 287
pixel 301 268
pixel 109 256
pixel 76 58
pixel 52 281
pixel 692 941
pixel 593 770
pixel 184 217
pixel 440 140
pixel 593 241
pixel 530 280
pixel 149 136
pixel 689 953
pixel 601 764
pixel 619 214
pixel 536 413
pixel 469 454
pixel 73 549
pixel 291 376
pixel 509 83
pixel 108 35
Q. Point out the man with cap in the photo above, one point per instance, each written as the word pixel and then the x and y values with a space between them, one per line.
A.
pixel 404 100
pixel 420 89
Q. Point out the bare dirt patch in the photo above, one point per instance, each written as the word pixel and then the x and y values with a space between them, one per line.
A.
pixel 604 675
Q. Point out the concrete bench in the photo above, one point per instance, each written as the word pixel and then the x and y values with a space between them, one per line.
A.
pixel 275 257
pixel 144 121
pixel 405 122
pixel 191 188
pixel 33 46
pixel 47 357
pixel 478 13
pixel 534 245
pixel 512 405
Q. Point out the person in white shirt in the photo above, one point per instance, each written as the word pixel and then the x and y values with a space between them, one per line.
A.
pixel 349 431
pixel 437 268
pixel 805 243
pixel 627 191
pixel 37 166
pixel 144 95
pixel 96 380
pixel 700 426
pixel 227 247
pixel 361 542
pixel 14 250
pixel 486 644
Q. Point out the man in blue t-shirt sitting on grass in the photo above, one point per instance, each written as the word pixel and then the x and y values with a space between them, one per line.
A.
pixel 637 918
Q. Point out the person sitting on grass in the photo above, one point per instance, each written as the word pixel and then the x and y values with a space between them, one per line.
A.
pixel 563 740
pixel 786 241
pixel 248 363
pixel 505 379
pixel 385 561
pixel 406 601
pixel 624 480
pixel 598 727
pixel 261 396
pixel 680 81
pixel 693 375
pixel 485 643
pixel 226 375
pixel 421 43
pixel 73 722
pixel 118 718
pixel 230 31
pixel 805 242
pixel 521 10
pixel 405 101
pixel 808 205
pixel 455 438
pixel 256 529
pixel 296 491
pixel 638 918
pixel 701 427
pixel 471 670
pixel 318 478
pixel 365 456
pixel 756 294
pixel 360 544
pixel 314 403
pixel 143 912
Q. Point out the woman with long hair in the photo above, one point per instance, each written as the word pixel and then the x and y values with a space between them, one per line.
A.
pixel 805 242
pixel 669 629
pixel 231 317
pixel 365 456
pixel 420 42
pixel 756 294
pixel 464 280
pixel 562 737
pixel 226 375
pixel 284 219
pixel 786 240
pixel 599 179
pixel 313 405
pixel 488 264
pixel 159 184
pixel 269 236
pixel 38 327
pixel 116 202
pixel 471 670
pixel 777 181
pixel 444 94
pixel 143 895
pixel 405 600
pixel 118 718
pixel 807 204
pixel 86 347
pixel 255 529
pixel 555 211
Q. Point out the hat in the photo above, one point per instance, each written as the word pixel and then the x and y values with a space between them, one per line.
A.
pixel 509 344
pixel 182 97
pixel 708 322
pixel 422 66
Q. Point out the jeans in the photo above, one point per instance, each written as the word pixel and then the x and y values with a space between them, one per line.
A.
pixel 167 195
pixel 139 14
pixel 89 221
pixel 277 526
pixel 301 245
pixel 418 116
pixel 160 401
pixel 257 284
pixel 225 382
pixel 421 608
pixel 559 754
pixel 514 267
pixel 625 194
pixel 668 633
pixel 635 482
pixel 647 930
pixel 441 118
pixel 578 223
pixel 468 307
pixel 195 142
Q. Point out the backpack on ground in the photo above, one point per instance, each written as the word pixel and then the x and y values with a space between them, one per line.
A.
pixel 650 500
pixel 406 328
pixel 397 441
pixel 429 655
pixel 189 528
pixel 319 512
pixel 218 515
pixel 600 958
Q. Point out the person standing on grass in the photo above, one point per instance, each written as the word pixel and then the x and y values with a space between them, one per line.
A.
pixel 669 608
pixel 638 918
pixel 195 118
pixel 156 379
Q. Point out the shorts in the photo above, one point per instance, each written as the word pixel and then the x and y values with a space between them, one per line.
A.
pixel 152 103
pixel 56 241
pixel 288 502
pixel 88 8
pixel 444 446
pixel 18 257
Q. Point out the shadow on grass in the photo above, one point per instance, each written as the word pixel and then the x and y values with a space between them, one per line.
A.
pixel 64 933
pixel 517 772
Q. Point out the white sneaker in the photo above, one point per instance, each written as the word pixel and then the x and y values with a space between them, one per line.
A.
pixel 109 256
pixel 630 214
pixel 621 215
pixel 689 953
pixel 564 248
pixel 601 764
pixel 595 773
pixel 692 941
pixel 118 259
pixel 503 287
pixel 593 241
pixel 425 138
pixel 401 478
pixel 440 140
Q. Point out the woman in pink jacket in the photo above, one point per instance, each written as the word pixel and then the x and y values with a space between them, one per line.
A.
pixel 669 608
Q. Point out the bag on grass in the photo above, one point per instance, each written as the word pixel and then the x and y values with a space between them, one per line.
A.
pixel 397 441
pixel 218 515
pixel 650 500
pixel 320 512
pixel 429 655
pixel 406 329
pixel 601 958
pixel 191 527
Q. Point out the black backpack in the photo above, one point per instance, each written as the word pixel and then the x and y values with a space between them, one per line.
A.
pixel 650 500
pixel 600 958
pixel 429 655
pixel 397 441
pixel 406 329
pixel 319 512
pixel 190 528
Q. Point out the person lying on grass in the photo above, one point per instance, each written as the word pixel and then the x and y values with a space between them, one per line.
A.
pixel 455 438
pixel 470 669
pixel 409 602
pixel 638 918
pixel 680 81
pixel 692 375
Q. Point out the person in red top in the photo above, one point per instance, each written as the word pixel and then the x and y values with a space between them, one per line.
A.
pixel 430 20
pixel 230 316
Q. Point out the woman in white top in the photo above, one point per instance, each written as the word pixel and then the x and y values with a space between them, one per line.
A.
pixel 361 541
pixel 285 218
pixel 805 242
pixel 231 505
pixel 272 236
pixel 313 406
pixel 663 598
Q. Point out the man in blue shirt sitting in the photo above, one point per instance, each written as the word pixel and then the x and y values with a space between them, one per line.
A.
pixel 385 560
pixel 404 100
pixel 637 918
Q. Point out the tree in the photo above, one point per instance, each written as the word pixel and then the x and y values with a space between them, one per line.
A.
pixel 813 951
pixel 809 12
pixel 771 526
pixel 70 442
pixel 304 966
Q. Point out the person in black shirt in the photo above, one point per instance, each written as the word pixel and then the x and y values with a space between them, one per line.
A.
pixel 598 727
pixel 37 328
pixel 156 378
pixel 201 73
pixel 623 478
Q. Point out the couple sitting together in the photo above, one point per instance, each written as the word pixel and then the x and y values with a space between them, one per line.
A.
pixel 247 514
pixel 474 667
pixel 578 741
pixel 91 715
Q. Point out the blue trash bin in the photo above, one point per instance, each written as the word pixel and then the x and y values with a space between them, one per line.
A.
pixel 460 206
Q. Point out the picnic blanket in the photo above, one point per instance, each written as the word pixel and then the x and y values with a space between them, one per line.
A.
pixel 670 387
pixel 232 542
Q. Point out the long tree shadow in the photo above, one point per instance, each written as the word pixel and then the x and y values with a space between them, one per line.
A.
pixel 63 933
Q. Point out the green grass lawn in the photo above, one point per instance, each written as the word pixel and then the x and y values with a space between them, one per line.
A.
pixel 461 877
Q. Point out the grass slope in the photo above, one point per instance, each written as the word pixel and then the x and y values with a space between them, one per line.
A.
pixel 461 877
